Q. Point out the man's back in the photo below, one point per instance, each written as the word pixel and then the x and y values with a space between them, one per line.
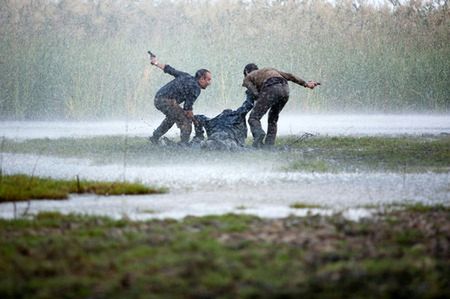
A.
pixel 184 88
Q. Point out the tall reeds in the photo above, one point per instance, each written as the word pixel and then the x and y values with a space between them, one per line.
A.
pixel 70 59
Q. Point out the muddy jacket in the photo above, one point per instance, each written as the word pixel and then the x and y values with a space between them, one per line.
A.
pixel 229 126
pixel 257 80
pixel 183 89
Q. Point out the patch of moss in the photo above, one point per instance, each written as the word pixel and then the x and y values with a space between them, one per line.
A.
pixel 24 187
pixel 421 208
pixel 300 205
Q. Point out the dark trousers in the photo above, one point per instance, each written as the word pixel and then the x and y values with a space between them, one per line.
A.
pixel 174 115
pixel 272 97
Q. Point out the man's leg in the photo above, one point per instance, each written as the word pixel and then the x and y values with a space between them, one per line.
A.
pixel 185 131
pixel 183 122
pixel 174 114
pixel 272 126
pixel 163 105
pixel 281 96
pixel 165 126
pixel 254 120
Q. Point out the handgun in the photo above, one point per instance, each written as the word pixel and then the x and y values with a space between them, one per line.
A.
pixel 151 54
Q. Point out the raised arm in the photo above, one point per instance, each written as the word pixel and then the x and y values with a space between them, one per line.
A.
pixel 154 61
pixel 166 68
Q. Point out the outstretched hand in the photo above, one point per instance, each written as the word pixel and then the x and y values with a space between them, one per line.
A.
pixel 153 60
pixel 312 84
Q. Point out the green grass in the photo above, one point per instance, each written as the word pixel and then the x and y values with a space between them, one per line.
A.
pixel 24 187
pixel 418 207
pixel 404 154
pixel 301 205
pixel 399 154
pixel 229 256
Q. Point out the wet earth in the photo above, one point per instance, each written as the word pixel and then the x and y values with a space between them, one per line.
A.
pixel 231 184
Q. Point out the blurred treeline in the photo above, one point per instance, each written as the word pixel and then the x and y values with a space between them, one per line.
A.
pixel 75 59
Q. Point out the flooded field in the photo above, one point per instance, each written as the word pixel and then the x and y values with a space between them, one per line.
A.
pixel 289 124
pixel 262 183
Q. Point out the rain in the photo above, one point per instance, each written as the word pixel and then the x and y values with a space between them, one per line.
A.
pixel 76 70
pixel 224 149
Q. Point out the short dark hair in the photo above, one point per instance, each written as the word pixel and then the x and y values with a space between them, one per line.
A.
pixel 200 73
pixel 250 68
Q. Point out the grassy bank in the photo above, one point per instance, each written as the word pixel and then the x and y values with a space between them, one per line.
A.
pixel 24 187
pixel 318 154
pixel 398 254
pixel 400 154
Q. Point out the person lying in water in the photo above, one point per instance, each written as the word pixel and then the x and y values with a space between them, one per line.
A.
pixel 226 131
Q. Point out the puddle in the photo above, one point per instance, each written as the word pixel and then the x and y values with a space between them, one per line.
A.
pixel 219 185
pixel 220 188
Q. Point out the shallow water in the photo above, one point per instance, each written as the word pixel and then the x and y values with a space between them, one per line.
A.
pixel 258 189
pixel 289 124
pixel 232 183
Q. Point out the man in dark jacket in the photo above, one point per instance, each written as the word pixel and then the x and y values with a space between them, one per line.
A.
pixel 226 131
pixel 271 88
pixel 183 89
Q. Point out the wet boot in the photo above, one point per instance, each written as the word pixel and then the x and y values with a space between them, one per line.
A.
pixel 154 140
pixel 185 132
pixel 162 129
pixel 258 141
